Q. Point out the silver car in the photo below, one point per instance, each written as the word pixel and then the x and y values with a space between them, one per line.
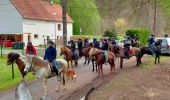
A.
pixel 165 46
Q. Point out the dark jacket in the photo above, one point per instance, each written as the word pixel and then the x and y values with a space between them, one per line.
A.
pixel 50 54
pixel 96 44
pixel 113 41
pixel 73 46
pixel 135 38
pixel 151 40
pixel 79 44
pixel 86 42
pixel 105 46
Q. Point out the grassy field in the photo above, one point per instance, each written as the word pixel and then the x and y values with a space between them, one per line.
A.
pixel 6 80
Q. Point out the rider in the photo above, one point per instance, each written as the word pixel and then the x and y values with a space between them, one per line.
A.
pixel 86 41
pixel 96 44
pixel 73 48
pixel 30 49
pixel 50 56
pixel 151 43
pixel 127 46
pixel 105 47
pixel 80 44
pixel 113 42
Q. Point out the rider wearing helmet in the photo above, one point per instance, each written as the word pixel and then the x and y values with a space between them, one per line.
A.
pixel 86 41
pixel 73 48
pixel 105 47
pixel 151 43
pixel 80 44
pixel 127 45
pixel 96 43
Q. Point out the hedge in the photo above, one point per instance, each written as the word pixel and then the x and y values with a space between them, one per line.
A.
pixel 142 35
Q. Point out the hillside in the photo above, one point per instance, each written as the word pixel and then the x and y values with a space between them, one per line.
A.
pixel 136 13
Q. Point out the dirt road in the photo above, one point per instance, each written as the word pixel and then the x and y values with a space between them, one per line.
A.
pixel 85 76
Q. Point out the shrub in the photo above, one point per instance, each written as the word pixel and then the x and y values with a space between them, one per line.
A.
pixel 142 35
pixel 110 33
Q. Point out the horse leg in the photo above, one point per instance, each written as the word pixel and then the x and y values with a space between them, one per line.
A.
pixel 93 65
pixel 156 58
pixel 68 63
pixel 96 67
pixel 89 60
pixel 121 62
pixel 101 70
pixel 71 63
pixel 85 60
pixel 45 88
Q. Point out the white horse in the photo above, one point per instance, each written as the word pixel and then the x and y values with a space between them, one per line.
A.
pixel 43 70
pixel 22 92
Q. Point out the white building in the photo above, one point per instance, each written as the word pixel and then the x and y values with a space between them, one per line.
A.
pixel 23 20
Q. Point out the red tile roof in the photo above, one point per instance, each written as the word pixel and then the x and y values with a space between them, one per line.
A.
pixel 39 10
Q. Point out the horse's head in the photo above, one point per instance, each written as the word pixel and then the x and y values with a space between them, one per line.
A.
pixel 64 50
pixel 29 61
pixel 12 57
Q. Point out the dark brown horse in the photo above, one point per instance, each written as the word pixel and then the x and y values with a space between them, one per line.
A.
pixel 132 52
pixel 68 56
pixel 115 49
pixel 15 57
pixel 99 58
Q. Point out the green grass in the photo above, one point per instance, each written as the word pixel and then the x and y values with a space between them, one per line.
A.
pixel 6 80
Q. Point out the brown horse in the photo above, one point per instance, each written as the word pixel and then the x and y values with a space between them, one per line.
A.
pixel 68 56
pixel 99 58
pixel 15 57
pixel 134 43
pixel 132 52
pixel 115 49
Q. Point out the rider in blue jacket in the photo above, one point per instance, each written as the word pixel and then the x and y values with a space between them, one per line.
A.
pixel 50 56
pixel 96 44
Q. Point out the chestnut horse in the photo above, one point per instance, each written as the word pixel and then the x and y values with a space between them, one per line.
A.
pixel 15 57
pixel 132 52
pixel 134 43
pixel 115 49
pixel 68 56
pixel 43 70
pixel 99 58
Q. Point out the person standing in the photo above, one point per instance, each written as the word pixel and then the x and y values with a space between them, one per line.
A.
pixel 96 44
pixel 30 49
pixel 151 43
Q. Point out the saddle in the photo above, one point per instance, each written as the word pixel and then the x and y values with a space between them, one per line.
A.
pixel 54 69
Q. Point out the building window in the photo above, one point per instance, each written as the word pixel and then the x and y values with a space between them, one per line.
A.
pixel 35 36
pixel 59 27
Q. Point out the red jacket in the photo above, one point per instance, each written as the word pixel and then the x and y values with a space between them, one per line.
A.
pixel 33 50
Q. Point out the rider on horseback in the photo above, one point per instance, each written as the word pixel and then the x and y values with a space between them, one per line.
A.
pixel 113 42
pixel 50 56
pixel 73 49
pixel 86 41
pixel 151 43
pixel 96 44
pixel 127 44
pixel 105 47
pixel 80 44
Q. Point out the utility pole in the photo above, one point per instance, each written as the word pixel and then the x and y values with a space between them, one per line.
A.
pixel 155 14
pixel 64 22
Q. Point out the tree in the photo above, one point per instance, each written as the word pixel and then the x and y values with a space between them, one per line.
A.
pixel 110 33
pixel 120 25
pixel 84 14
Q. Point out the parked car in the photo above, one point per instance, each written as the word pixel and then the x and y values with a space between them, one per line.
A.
pixel 165 46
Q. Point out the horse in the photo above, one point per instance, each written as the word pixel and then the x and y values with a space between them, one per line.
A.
pixel 115 50
pixel 43 70
pixel 22 92
pixel 147 50
pixel 99 58
pixel 132 52
pixel 68 56
pixel 15 57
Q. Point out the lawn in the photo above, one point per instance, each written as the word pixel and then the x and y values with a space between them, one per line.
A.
pixel 6 80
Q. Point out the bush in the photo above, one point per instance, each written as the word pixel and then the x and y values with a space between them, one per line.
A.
pixel 110 33
pixel 142 35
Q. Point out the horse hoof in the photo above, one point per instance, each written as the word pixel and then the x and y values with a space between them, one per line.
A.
pixel 57 90
pixel 64 89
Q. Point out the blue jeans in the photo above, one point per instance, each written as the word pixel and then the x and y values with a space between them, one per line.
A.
pixel 54 63
pixel 151 47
